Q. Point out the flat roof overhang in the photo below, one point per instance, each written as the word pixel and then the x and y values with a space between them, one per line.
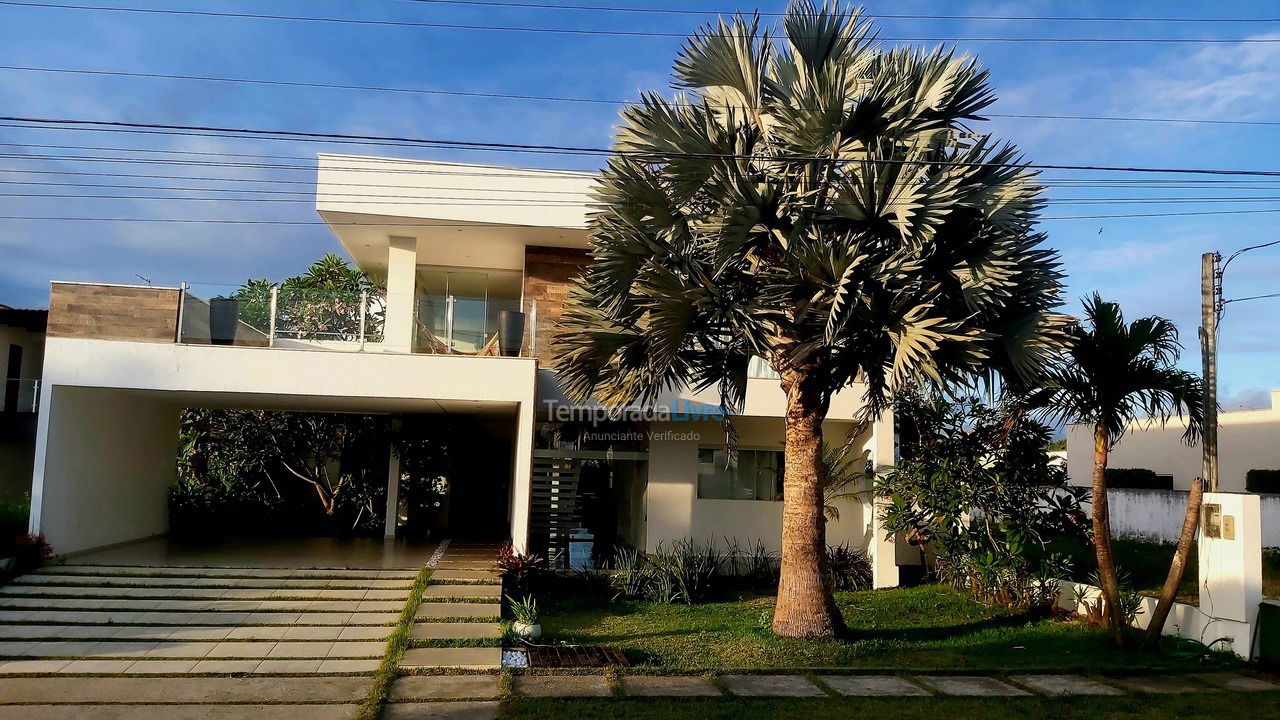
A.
pixel 443 242
pixel 463 215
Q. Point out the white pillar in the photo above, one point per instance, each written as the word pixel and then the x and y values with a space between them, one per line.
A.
pixel 1230 555
pixel 883 551
pixel 522 478
pixel 392 521
pixel 402 272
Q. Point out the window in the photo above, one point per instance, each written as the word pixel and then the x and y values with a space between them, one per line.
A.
pixel 759 369
pixel 758 475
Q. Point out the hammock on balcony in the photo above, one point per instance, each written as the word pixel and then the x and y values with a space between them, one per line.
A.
pixel 436 346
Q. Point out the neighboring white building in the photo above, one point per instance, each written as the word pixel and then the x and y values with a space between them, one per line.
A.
pixel 1247 440
pixel 458 246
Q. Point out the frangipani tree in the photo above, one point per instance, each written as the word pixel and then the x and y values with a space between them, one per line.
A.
pixel 817 201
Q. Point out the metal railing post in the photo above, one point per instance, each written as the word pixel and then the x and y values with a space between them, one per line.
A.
pixel 271 328
pixel 448 324
pixel 364 313
pixel 533 327
pixel 182 307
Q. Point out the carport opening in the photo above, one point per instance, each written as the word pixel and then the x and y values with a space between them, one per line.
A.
pixel 314 474
pixel 126 465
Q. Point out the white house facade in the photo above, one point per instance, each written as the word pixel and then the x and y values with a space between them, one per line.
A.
pixel 475 280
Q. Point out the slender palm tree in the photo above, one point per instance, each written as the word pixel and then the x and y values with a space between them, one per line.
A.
pixel 822 203
pixel 1113 375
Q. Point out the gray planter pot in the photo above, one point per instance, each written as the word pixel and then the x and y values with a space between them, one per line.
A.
pixel 510 332
pixel 224 319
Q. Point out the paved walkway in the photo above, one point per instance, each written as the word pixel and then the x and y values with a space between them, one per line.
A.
pixel 457 626
pixel 178 641
pixel 475 697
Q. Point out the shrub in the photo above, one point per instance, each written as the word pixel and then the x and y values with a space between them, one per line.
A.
pixel 848 568
pixel 13 523
pixel 976 491
pixel 1137 479
pixel 30 552
pixel 1130 600
pixel 688 570
pixel 630 575
pixel 1262 481
pixel 518 569
pixel 752 564
pixel 684 572
pixel 524 610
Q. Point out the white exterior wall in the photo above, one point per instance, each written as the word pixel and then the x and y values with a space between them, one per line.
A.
pixel 113 459
pixel 1247 440
pixel 78 439
pixel 674 511
pixel 1157 514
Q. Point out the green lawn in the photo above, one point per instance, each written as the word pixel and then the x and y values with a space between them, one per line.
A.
pixel 917 628
pixel 1199 706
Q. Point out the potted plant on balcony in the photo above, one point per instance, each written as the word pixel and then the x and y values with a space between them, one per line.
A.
pixel 525 614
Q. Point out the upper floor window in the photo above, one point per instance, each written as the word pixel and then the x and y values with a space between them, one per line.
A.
pixel 758 475
pixel 759 368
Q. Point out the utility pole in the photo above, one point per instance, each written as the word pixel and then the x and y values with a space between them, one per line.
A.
pixel 1210 296
pixel 1212 306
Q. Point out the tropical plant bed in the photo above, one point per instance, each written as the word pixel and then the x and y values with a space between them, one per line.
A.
pixel 920 628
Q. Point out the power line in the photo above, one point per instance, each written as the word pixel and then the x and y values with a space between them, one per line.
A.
pixel 563 99
pixel 1064 183
pixel 219 221
pixel 489 201
pixel 491 146
pixel 877 16
pixel 591 32
pixel 1252 297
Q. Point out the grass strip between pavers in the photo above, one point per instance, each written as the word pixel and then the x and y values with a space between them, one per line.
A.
pixel 371 706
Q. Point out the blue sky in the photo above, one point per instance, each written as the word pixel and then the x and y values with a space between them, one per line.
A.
pixel 1150 265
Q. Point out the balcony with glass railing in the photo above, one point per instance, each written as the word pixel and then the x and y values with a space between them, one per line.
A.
pixel 451 314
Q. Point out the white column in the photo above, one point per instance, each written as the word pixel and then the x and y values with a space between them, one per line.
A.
pixel 883 551
pixel 522 477
pixel 402 271
pixel 1231 570
pixel 391 523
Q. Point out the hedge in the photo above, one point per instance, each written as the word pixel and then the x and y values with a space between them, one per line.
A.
pixel 1262 481
pixel 1137 479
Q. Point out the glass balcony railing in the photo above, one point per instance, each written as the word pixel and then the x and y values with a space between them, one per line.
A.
pixel 454 325
pixel 262 315
pixel 20 395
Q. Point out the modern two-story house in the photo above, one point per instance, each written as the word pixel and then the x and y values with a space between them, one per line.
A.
pixel 477 263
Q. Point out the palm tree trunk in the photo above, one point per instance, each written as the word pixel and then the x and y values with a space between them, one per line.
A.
pixel 1102 537
pixel 1190 522
pixel 805 605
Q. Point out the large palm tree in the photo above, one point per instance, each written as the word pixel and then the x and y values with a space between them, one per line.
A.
pixel 1113 375
pixel 817 201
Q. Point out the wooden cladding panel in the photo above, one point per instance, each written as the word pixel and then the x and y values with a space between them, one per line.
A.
pixel 113 312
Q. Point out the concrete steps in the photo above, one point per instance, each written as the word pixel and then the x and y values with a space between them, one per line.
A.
pixel 126 621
